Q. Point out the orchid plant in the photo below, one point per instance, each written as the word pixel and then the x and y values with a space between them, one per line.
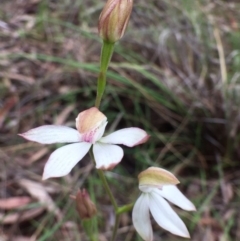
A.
pixel 155 184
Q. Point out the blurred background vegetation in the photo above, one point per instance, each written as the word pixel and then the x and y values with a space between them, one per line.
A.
pixel 176 74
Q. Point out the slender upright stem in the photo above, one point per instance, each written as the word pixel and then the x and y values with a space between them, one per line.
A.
pixel 118 212
pixel 106 54
pixel 114 233
pixel 112 199
pixel 105 184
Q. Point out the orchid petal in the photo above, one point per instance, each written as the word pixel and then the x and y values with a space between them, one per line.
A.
pixel 141 217
pixel 49 134
pixel 61 161
pixel 107 156
pixel 99 132
pixel 165 216
pixel 173 194
pixel 129 137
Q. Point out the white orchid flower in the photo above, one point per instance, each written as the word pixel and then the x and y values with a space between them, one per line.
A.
pixel 157 185
pixel 90 125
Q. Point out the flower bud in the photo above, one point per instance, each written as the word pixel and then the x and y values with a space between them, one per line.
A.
pixel 85 207
pixel 114 19
pixel 156 177
pixel 91 124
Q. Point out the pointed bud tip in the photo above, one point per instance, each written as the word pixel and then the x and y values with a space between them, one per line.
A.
pixel 113 19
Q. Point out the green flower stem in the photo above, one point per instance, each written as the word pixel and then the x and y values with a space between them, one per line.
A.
pixel 105 184
pixel 125 208
pixel 118 210
pixel 106 54
pixel 114 234
pixel 88 227
pixel 118 213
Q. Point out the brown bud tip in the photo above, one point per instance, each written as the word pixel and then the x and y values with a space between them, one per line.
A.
pixel 114 19
pixel 84 205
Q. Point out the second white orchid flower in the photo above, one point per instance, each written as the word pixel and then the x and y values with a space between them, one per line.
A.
pixel 90 125
pixel 157 185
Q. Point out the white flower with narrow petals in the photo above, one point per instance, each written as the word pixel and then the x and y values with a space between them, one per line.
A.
pixel 157 185
pixel 90 125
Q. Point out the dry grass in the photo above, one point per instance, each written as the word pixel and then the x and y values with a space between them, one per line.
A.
pixel 175 74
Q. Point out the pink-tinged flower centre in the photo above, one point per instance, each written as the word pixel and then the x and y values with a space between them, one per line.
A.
pixel 89 123
pixel 89 136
